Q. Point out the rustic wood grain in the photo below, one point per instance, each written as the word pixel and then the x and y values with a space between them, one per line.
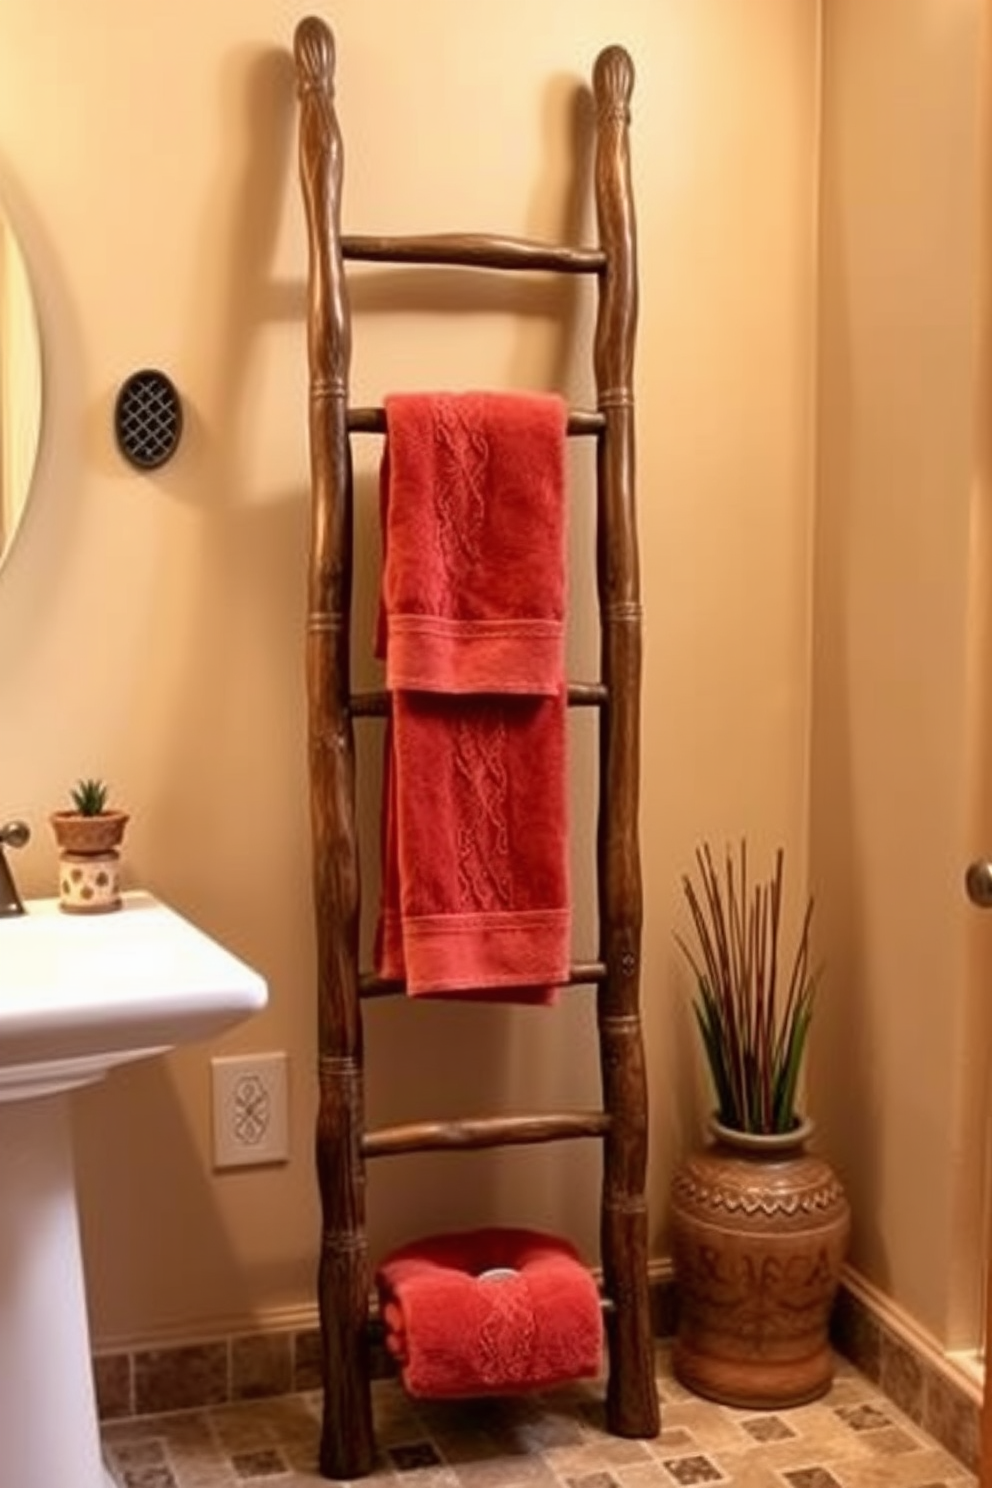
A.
pixel 484 1131
pixel 347 1442
pixel 475 250
pixel 632 1400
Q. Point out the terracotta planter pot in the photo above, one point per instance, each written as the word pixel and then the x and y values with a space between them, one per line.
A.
pixel 76 833
pixel 760 1230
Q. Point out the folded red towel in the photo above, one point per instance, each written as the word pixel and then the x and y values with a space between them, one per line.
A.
pixel 532 1322
pixel 473 512
pixel 475 891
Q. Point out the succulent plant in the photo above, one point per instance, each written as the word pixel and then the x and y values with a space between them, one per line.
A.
pixel 89 797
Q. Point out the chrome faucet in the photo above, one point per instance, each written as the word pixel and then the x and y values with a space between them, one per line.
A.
pixel 12 834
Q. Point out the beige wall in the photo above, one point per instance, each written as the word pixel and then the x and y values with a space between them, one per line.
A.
pixel 898 1067
pixel 151 626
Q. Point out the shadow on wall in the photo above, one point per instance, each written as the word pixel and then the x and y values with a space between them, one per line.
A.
pixel 438 1062
pixel 223 697
pixel 841 1035
pixel 138 1212
pixel 219 698
pixel 236 666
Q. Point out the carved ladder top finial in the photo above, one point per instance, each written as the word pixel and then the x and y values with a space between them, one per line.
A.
pixel 313 48
pixel 613 81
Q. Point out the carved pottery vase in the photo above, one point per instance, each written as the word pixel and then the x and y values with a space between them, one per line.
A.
pixel 760 1231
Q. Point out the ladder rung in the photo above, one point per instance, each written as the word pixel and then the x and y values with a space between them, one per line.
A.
pixel 474 251
pixel 377 704
pixel 373 421
pixel 580 974
pixel 485 1131
pixel 375 1328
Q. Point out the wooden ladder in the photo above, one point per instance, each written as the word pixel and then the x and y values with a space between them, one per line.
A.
pixel 343 1143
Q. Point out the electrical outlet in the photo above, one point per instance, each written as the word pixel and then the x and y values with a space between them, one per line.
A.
pixel 251 1116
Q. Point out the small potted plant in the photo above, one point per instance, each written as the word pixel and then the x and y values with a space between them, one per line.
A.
pixel 760 1224
pixel 89 837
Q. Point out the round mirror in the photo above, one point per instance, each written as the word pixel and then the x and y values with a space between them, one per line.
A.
pixel 20 385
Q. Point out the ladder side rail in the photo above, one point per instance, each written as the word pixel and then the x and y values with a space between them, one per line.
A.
pixel 632 1399
pixel 347 1447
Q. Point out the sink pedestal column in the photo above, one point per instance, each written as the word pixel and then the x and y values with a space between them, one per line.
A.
pixel 79 995
pixel 49 1432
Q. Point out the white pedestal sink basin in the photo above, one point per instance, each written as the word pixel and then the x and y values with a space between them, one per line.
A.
pixel 79 994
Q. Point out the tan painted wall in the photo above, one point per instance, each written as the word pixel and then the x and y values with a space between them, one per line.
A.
pixel 150 627
pixel 898 1066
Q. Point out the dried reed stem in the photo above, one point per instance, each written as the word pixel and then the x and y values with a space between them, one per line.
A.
pixel 754 1042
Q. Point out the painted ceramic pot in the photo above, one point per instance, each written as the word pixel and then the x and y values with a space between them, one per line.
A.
pixel 760 1231
pixel 89 883
pixel 89 861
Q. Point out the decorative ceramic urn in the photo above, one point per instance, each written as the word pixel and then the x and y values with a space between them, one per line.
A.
pixel 760 1230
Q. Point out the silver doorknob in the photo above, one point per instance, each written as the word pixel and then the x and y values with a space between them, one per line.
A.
pixel 978 882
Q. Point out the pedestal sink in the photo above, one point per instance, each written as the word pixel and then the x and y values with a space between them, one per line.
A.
pixel 79 994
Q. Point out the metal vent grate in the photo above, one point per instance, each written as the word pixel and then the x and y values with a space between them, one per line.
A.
pixel 148 419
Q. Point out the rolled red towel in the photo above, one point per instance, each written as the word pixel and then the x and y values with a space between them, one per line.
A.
pixel 490 1312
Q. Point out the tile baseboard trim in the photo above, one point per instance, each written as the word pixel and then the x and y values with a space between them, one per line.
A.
pixel 280 1353
pixel 922 1344
pixel 909 1366
pixel 277 1353
pixel 299 1319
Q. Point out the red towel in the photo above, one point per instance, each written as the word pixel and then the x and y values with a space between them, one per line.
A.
pixel 532 1323
pixel 475 894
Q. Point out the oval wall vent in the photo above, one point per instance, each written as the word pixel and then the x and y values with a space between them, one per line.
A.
pixel 148 419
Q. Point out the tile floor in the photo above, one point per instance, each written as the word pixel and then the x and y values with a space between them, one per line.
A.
pixel 852 1438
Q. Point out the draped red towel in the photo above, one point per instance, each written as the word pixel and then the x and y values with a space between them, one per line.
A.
pixel 533 1322
pixel 475 890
